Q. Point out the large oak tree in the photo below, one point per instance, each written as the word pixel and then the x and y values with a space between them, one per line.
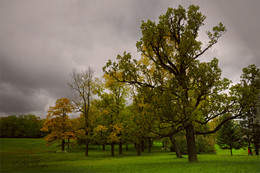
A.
pixel 196 90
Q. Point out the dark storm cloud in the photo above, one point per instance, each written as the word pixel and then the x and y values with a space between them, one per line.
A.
pixel 42 41
pixel 17 101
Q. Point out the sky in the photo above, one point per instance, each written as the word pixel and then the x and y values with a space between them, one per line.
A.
pixel 42 41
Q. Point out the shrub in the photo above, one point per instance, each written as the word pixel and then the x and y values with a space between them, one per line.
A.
pixel 204 144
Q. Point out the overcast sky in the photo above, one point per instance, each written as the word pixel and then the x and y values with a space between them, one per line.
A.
pixel 42 41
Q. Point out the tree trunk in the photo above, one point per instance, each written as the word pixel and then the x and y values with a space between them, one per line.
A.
pixel 192 155
pixel 120 148
pixel 68 143
pixel 139 148
pixel 176 147
pixel 104 147
pixel 149 145
pixel 126 147
pixel 231 152
pixel 142 145
pixel 63 144
pixel 256 148
pixel 86 151
pixel 112 149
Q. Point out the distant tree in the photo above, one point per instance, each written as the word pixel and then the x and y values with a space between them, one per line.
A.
pixel 100 134
pixel 9 126
pixel 22 126
pixel 249 90
pixel 111 104
pixel 30 126
pixel 230 136
pixel 82 85
pixel 134 127
pixel 58 123
pixel 143 117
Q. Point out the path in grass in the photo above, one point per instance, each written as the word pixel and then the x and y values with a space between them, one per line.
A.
pixel 31 155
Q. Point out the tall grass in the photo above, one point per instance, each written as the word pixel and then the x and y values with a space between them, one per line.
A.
pixel 31 155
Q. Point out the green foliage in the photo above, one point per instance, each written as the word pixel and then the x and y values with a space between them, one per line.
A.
pixel 192 92
pixel 204 144
pixel 21 126
pixel 249 91
pixel 169 65
pixel 109 127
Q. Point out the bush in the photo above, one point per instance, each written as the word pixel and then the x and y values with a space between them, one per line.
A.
pixel 204 144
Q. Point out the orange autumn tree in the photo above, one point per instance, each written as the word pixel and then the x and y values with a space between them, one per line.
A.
pixel 58 123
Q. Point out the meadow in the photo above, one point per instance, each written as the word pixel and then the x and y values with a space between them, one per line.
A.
pixel 31 155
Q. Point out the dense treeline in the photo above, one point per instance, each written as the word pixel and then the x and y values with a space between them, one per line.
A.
pixel 23 126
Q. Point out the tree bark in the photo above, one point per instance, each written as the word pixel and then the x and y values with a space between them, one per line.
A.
pixel 142 145
pixel 63 144
pixel 139 148
pixel 120 148
pixel 68 143
pixel 231 152
pixel 149 145
pixel 104 147
pixel 176 147
pixel 126 147
pixel 112 149
pixel 86 151
pixel 256 145
pixel 191 145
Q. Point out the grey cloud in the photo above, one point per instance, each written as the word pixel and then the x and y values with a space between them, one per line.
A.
pixel 17 101
pixel 42 41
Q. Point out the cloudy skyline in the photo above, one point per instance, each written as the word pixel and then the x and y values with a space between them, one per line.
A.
pixel 42 41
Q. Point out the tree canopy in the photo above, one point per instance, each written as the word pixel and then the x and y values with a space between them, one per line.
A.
pixel 58 123
pixel 230 137
pixel 170 65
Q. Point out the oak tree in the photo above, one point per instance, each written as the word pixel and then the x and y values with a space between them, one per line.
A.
pixel 198 92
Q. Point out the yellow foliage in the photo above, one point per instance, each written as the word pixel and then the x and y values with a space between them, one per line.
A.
pixel 144 61
pixel 106 111
pixel 109 80
pixel 101 128
pixel 58 122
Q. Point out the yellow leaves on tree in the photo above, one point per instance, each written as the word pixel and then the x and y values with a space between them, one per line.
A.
pixel 100 134
pixel 115 135
pixel 58 123
pixel 109 80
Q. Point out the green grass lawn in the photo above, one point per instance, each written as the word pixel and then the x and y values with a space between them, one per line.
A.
pixel 31 155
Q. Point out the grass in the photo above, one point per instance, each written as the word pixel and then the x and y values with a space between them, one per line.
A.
pixel 31 155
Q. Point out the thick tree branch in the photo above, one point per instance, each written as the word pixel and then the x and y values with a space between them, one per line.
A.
pixel 218 127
